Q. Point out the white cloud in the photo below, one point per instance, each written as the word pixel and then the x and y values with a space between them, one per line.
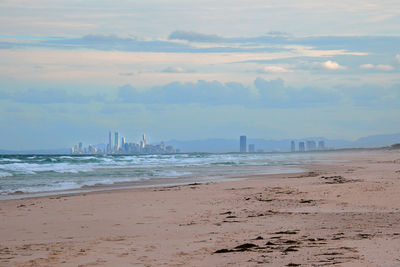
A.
pixel 381 67
pixel 126 73
pixel 398 58
pixel 384 67
pixel 332 65
pixel 174 70
pixel 273 69
pixel 367 66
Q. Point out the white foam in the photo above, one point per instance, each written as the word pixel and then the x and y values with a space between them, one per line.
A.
pixel 66 157
pixel 9 160
pixel 5 174
pixel 170 173
pixel 33 168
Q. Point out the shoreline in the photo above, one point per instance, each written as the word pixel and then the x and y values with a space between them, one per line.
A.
pixel 152 182
pixel 342 213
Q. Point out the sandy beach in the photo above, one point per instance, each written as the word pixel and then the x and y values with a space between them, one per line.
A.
pixel 344 212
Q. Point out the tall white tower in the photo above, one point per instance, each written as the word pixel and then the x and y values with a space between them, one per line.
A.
pixel 143 143
pixel 116 140
pixel 109 147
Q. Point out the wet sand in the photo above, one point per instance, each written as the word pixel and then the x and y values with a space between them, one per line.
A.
pixel 341 213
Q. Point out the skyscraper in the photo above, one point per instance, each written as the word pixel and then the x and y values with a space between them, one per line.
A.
pixel 293 146
pixel 116 140
pixel 143 143
pixel 321 145
pixel 110 146
pixel 311 145
pixel 302 147
pixel 252 148
pixel 123 141
pixel 123 147
pixel 243 144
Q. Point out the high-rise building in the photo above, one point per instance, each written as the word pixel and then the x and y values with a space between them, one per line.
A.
pixel 162 146
pixel 80 147
pixel 321 145
pixel 311 146
pixel 116 141
pixel 293 146
pixel 243 144
pixel 252 148
pixel 110 146
pixel 302 147
pixel 143 142
pixel 169 149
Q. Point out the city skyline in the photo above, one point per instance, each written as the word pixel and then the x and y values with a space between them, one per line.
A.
pixel 121 146
pixel 70 70
pixel 221 145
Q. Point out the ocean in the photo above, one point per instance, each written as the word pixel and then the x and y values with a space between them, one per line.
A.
pixel 28 174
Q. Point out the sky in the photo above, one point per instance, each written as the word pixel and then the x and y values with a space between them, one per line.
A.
pixel 71 71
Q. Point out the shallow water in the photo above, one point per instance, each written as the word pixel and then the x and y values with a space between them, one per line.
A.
pixel 41 173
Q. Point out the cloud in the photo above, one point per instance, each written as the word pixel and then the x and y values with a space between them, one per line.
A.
pixel 278 33
pixel 174 70
pixel 271 42
pixel 384 67
pixel 263 94
pixel 380 67
pixel 50 96
pixel 367 66
pixel 194 36
pixel 272 93
pixel 274 69
pixel 200 92
pixel 126 73
pixel 372 95
pixel 332 65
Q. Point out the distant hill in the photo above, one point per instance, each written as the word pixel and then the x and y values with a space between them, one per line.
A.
pixel 232 145
pixel 38 151
pixel 378 140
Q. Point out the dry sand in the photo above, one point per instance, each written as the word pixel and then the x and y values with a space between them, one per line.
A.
pixel 342 213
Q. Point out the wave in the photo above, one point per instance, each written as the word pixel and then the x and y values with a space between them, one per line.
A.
pixel 66 185
pixel 38 173
pixel 9 160
pixel 34 168
pixel 5 174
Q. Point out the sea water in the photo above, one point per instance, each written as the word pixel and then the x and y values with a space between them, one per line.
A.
pixel 43 173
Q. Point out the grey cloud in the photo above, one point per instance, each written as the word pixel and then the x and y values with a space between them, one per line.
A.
pixel 275 41
pixel 210 93
pixel 368 95
pixel 274 93
pixel 116 43
pixel 113 42
pixel 126 74
pixel 13 110
pixel 174 70
pixel 271 94
pixel 6 45
pixel 194 36
pixel 353 43
pixel 114 109
pixel 50 96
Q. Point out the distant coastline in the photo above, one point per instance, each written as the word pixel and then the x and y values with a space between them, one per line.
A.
pixel 219 145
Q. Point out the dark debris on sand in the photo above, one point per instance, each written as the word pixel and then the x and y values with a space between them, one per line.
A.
pixel 337 179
